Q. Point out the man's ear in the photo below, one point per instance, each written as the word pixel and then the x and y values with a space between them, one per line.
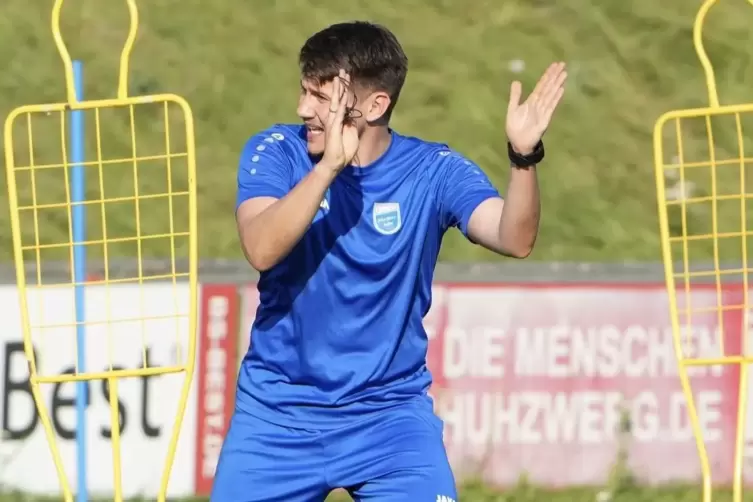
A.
pixel 377 109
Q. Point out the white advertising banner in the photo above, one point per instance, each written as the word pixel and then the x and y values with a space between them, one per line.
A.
pixel 147 405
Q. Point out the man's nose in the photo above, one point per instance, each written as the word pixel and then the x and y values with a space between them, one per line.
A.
pixel 305 108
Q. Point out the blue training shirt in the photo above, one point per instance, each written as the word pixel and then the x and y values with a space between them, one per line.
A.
pixel 339 332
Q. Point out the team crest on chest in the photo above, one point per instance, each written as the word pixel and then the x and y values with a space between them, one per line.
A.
pixel 386 217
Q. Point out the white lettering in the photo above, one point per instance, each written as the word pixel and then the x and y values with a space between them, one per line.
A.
pixel 477 353
pixel 584 417
pixel 563 351
pixel 644 420
pixel 214 388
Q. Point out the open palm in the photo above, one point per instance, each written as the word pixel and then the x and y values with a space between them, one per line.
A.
pixel 341 134
pixel 527 121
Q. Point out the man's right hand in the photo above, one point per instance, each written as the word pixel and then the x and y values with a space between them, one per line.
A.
pixel 269 228
pixel 341 134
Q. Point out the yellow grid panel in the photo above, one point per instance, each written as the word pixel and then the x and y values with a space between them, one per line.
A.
pixel 140 206
pixel 704 181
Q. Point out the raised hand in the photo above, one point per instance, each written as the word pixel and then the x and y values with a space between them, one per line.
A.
pixel 341 134
pixel 527 122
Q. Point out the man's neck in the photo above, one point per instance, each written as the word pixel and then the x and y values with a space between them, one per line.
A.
pixel 372 145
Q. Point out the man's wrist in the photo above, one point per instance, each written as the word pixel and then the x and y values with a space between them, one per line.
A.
pixel 325 171
pixel 525 158
pixel 522 151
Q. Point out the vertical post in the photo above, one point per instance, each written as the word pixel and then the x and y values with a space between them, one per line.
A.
pixel 78 221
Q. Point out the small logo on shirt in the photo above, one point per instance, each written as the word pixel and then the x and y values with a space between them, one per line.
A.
pixel 386 217
pixel 444 498
pixel 324 204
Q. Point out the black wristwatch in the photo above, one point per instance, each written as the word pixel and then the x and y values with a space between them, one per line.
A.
pixel 533 158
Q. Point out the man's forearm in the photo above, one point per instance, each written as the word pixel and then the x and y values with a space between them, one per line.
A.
pixel 270 235
pixel 519 223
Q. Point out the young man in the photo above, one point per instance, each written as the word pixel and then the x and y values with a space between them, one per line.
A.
pixel 344 218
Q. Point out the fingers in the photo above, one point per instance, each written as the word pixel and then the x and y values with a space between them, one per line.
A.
pixel 542 81
pixel 338 103
pixel 555 101
pixel 334 100
pixel 543 86
pixel 515 92
pixel 344 95
pixel 551 95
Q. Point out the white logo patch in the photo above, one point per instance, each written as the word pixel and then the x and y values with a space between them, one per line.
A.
pixel 386 217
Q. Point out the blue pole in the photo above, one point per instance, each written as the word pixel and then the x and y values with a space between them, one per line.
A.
pixel 78 222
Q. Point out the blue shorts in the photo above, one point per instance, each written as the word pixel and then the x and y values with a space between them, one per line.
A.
pixel 397 455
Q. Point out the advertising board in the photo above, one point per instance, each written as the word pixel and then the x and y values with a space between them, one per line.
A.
pixel 147 405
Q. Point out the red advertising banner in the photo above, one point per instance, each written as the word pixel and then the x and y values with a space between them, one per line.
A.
pixel 216 375
pixel 555 382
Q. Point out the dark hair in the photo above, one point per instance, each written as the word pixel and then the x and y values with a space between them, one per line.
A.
pixel 370 53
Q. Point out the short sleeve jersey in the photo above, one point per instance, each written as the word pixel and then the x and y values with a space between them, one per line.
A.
pixel 338 332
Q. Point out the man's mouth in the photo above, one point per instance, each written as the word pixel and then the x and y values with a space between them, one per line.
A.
pixel 313 131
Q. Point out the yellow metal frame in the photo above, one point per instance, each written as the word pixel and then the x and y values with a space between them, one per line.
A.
pixel 714 109
pixel 112 376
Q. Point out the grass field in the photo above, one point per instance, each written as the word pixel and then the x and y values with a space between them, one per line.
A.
pixel 629 62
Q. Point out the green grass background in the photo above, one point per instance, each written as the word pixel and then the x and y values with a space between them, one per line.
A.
pixel 236 64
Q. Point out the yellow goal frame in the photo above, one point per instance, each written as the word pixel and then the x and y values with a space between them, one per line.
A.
pixel 676 116
pixel 183 365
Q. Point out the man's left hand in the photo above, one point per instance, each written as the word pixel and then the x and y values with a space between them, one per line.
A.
pixel 527 122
